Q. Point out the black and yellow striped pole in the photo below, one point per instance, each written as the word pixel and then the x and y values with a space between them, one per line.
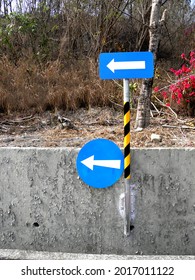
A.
pixel 127 156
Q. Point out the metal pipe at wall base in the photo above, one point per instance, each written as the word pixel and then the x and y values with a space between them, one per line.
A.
pixel 127 208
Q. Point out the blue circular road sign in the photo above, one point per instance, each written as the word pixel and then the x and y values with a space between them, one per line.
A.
pixel 100 163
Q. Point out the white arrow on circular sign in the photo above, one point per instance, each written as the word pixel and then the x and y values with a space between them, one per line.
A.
pixel 90 162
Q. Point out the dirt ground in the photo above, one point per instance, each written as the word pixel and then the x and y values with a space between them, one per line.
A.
pixel 45 130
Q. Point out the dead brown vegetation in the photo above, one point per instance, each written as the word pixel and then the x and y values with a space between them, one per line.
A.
pixel 49 50
pixel 29 86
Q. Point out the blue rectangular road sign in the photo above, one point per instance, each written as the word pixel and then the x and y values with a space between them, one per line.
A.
pixel 126 65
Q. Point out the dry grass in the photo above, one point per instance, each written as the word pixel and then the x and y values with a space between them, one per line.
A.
pixel 29 86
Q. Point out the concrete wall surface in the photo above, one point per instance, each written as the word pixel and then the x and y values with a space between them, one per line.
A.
pixel 44 206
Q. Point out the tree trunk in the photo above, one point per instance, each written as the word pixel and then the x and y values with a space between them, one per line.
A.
pixel 143 109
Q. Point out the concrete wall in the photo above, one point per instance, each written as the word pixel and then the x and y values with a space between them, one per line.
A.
pixel 45 207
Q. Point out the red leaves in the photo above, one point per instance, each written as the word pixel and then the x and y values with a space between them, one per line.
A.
pixel 185 69
pixel 156 89
pixel 184 86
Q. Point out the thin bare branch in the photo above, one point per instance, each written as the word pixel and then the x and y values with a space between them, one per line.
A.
pixel 164 105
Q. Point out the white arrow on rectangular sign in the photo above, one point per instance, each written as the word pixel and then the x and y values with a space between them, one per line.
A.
pixel 126 65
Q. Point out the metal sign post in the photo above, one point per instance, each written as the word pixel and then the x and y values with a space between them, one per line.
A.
pixel 127 159
pixel 126 65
